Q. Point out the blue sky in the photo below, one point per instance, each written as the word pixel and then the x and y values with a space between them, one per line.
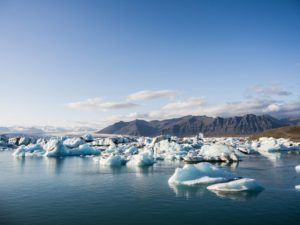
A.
pixel 78 63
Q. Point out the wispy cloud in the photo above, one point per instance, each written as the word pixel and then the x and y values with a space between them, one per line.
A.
pixel 99 104
pixel 147 94
pixel 239 108
pixel 186 103
pixel 270 90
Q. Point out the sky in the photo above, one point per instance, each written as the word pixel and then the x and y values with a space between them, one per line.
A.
pixel 92 63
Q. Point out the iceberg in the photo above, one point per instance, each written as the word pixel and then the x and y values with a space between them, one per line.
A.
pixel 113 161
pixel 55 148
pixel 245 184
pixel 297 187
pixel 201 173
pixel 297 168
pixel 30 150
pixel 73 142
pixel 84 149
pixel 218 152
pixel 143 159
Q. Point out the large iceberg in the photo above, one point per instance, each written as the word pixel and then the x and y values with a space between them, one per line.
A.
pixel 245 184
pixel 201 173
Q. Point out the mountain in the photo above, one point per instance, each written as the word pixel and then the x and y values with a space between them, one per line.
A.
pixel 192 125
pixel 290 132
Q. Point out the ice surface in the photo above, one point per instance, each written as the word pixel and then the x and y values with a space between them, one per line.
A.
pixel 113 161
pixel 131 150
pixel 201 173
pixel 142 159
pixel 30 150
pixel 73 142
pixel 245 184
pixel 218 152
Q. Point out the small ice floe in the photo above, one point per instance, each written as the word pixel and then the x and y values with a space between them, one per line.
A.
pixel 201 173
pixel 218 153
pixel 192 158
pixel 245 184
pixel 30 150
pixel 113 161
pixel 297 187
pixel 73 142
pixel 297 168
pixel 142 159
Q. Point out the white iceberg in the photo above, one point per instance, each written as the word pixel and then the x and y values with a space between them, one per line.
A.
pixel 55 148
pixel 201 173
pixel 84 150
pixel 73 142
pixel 245 184
pixel 297 168
pixel 218 152
pixel 132 150
pixel 30 150
pixel 297 187
pixel 113 161
pixel 145 158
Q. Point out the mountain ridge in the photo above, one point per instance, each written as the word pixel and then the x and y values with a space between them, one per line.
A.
pixel 192 125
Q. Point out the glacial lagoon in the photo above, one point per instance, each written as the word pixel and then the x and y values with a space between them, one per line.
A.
pixel 79 190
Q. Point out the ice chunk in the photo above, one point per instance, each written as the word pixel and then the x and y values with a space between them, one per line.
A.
pixel 73 142
pixel 88 138
pixel 218 152
pixel 132 150
pixel 113 161
pixel 201 173
pixel 245 184
pixel 145 158
pixel 84 149
pixel 30 150
pixel 55 148
pixel 297 187
pixel 297 168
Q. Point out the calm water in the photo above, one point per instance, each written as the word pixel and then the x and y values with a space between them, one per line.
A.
pixel 79 191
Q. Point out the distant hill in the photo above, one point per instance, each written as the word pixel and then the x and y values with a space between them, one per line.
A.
pixel 192 125
pixel 291 132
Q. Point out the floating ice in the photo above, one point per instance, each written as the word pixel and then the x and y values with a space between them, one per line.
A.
pixel 297 187
pixel 30 150
pixel 113 161
pixel 201 173
pixel 245 184
pixel 73 142
pixel 218 152
pixel 145 158
pixel 132 150
pixel 55 148
pixel 84 149
pixel 297 168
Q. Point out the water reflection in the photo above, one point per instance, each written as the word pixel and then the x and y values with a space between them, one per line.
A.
pixel 55 165
pixel 188 191
pixel 237 196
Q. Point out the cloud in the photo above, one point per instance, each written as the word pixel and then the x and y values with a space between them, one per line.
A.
pixel 270 90
pixel 146 95
pixel 99 104
pixel 186 103
pixel 253 106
